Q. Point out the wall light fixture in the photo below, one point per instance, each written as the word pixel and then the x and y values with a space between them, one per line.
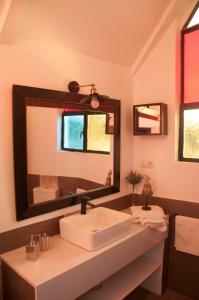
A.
pixel 94 98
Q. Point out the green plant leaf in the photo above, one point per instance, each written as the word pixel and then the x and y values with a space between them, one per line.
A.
pixel 134 177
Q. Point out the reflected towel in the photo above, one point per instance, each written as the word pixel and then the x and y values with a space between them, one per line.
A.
pixel 154 218
pixel 186 235
pixel 79 190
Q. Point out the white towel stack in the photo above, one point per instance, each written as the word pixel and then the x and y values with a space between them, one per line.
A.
pixel 186 235
pixel 154 218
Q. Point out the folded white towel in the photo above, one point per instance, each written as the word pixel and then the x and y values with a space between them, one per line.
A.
pixel 154 218
pixel 186 235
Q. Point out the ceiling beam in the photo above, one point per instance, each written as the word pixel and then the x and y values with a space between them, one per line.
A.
pixel 4 10
pixel 11 14
pixel 174 9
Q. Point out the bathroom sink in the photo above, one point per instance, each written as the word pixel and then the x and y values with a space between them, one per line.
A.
pixel 99 227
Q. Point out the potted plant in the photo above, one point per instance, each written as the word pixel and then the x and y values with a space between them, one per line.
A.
pixel 134 178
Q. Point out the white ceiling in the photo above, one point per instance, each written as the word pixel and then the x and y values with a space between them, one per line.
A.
pixel 113 30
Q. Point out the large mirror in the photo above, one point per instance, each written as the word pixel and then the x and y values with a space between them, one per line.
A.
pixel 150 119
pixel 63 150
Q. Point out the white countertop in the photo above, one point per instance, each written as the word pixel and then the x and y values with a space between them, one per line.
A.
pixel 61 257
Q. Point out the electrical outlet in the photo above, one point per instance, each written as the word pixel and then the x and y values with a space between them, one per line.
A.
pixel 147 163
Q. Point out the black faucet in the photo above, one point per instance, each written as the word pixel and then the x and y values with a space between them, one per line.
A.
pixel 84 202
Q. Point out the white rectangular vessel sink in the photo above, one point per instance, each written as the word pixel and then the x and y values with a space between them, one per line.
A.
pixel 99 227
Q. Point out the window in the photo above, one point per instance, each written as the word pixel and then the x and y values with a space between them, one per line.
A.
pixel 189 112
pixel 85 132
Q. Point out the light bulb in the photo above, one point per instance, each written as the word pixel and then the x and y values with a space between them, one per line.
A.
pixel 94 102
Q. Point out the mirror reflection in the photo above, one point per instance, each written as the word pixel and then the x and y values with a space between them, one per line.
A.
pixel 63 149
pixel 150 119
pixel 69 151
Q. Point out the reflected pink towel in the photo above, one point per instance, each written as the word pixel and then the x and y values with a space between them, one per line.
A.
pixel 154 218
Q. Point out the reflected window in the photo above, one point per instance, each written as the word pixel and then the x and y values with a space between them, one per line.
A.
pixel 85 132
pixel 189 117
pixel 73 132
pixel 98 140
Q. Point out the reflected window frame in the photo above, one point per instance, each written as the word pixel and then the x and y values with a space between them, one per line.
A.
pixel 186 105
pixel 84 134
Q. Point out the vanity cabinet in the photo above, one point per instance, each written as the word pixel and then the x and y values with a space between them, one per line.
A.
pixel 145 270
pixel 66 271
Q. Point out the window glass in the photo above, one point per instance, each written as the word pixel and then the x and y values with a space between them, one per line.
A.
pixel 97 139
pixel 194 19
pixel 191 67
pixel 189 117
pixel 191 133
pixel 73 132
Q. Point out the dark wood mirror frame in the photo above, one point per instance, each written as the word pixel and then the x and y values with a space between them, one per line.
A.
pixel 163 119
pixel 31 96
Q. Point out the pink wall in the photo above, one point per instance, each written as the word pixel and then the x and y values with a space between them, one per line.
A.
pixel 39 65
pixel 156 81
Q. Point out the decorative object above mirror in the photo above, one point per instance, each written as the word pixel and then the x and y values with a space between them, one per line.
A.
pixel 150 119
pixel 63 149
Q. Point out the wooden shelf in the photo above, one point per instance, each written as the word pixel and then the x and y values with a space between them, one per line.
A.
pixel 123 282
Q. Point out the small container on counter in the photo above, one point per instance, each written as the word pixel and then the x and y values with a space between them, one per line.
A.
pixel 36 238
pixel 32 251
pixel 44 242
